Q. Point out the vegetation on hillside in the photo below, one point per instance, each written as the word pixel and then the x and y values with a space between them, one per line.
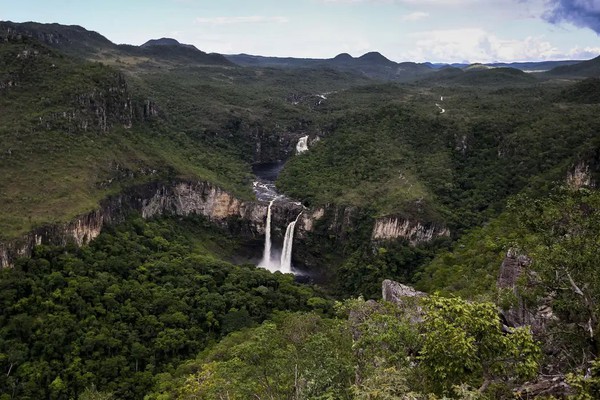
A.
pixel 74 131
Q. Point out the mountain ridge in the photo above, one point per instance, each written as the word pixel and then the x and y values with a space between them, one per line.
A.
pixel 77 41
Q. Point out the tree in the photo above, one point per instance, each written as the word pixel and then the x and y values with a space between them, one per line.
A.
pixel 435 346
pixel 463 344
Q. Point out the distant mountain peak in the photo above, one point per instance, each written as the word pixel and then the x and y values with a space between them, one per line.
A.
pixel 374 56
pixel 166 42
pixel 343 57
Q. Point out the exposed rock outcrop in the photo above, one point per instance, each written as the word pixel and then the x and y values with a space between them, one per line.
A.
pixel 394 292
pixel 391 228
pixel 98 101
pixel 511 268
pixel 338 221
pixel 580 176
pixel 308 219
pixel 98 110
pixel 555 387
pixel 520 313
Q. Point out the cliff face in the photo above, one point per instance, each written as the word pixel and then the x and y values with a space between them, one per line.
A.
pixel 241 218
pixel 391 228
pixel 179 198
pixel 395 292
pixel 79 231
pixel 184 198
pixel 76 95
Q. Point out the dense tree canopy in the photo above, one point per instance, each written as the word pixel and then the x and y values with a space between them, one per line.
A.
pixel 138 301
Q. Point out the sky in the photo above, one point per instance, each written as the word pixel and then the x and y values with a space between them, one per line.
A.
pixel 402 30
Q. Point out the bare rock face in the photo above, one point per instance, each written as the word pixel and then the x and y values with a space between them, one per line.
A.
pixel 182 198
pixel 308 219
pixel 187 198
pixel 537 316
pixel 395 292
pixel 405 297
pixel 580 176
pixel 550 387
pixel 79 232
pixel 511 269
pixel 390 228
pixel 339 220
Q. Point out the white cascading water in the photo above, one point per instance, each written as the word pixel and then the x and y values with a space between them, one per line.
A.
pixel 286 255
pixel 302 145
pixel 266 260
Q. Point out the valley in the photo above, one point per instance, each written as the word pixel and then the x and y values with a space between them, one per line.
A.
pixel 178 224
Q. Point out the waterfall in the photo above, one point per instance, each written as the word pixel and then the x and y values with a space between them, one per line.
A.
pixel 286 255
pixel 302 145
pixel 266 260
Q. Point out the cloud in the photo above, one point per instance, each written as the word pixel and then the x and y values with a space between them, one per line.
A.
pixel 407 2
pixel 415 16
pixel 582 13
pixel 479 45
pixel 253 19
pixel 582 53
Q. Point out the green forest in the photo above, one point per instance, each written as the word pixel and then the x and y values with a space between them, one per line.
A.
pixel 487 179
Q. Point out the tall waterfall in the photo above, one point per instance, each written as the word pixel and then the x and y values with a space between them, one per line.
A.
pixel 266 260
pixel 302 145
pixel 286 254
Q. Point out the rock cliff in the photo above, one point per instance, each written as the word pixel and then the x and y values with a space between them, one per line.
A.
pixel 390 228
pixel 395 292
pixel 175 198
pixel 99 109
pixel 242 218
pixel 90 97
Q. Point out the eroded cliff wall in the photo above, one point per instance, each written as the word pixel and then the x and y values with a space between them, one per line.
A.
pixel 175 198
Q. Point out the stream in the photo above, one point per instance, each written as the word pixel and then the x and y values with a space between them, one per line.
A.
pixel 278 256
pixel 264 185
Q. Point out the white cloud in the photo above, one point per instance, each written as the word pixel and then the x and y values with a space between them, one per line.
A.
pixel 415 16
pixel 478 45
pixel 409 2
pixel 582 53
pixel 253 19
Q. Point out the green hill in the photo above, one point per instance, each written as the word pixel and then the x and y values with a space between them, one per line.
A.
pixel 479 75
pixel 585 92
pixel 584 69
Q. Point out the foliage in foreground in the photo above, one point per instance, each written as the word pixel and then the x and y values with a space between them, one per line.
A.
pixel 427 349
pixel 560 234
